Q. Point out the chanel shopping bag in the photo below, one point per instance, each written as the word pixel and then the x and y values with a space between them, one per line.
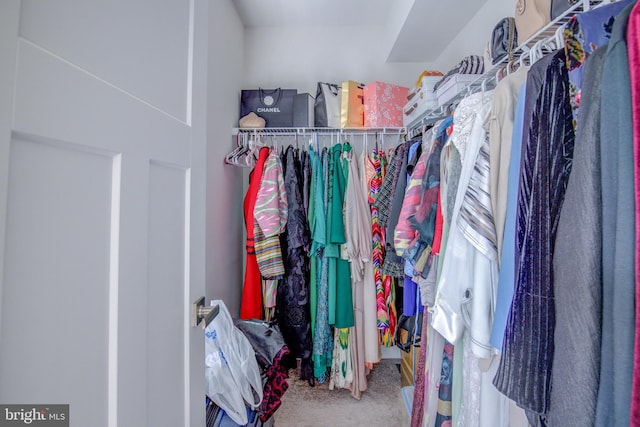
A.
pixel 275 106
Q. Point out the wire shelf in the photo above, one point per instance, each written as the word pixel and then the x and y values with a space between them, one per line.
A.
pixel 524 52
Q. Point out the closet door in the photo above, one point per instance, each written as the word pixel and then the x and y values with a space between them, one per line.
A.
pixel 101 206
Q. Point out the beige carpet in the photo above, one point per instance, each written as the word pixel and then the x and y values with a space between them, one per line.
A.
pixel 381 405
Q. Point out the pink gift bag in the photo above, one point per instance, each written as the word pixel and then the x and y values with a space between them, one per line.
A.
pixel 383 104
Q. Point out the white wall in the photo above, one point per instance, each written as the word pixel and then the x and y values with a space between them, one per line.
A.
pixel 472 39
pixel 298 57
pixel 225 189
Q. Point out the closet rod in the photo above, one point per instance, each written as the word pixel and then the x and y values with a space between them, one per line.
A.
pixel 320 131
pixel 489 78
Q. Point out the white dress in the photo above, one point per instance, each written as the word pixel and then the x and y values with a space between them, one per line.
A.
pixel 466 290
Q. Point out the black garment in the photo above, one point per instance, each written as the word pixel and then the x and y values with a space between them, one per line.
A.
pixel 292 307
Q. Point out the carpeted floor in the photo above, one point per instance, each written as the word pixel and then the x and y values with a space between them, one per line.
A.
pixel 381 405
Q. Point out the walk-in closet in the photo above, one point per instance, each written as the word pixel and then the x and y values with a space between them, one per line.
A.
pixel 465 243
pixel 219 213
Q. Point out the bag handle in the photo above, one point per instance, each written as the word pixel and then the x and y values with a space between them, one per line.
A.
pixel 333 88
pixel 263 94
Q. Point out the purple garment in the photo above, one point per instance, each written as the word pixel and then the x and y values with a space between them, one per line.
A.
pixel 524 373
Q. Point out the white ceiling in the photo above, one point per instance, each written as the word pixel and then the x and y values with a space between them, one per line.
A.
pixel 283 13
pixel 420 29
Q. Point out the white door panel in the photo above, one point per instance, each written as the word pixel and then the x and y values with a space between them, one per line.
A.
pixel 102 256
pixel 138 46
pixel 56 283
pixel 166 361
pixel 56 98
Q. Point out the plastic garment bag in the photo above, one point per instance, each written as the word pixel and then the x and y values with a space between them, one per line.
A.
pixel 232 372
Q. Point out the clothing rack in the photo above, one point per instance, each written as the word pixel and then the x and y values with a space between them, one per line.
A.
pixel 548 37
pixel 305 131
pixel 250 140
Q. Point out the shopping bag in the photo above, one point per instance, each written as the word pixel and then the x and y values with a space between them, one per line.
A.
pixel 383 104
pixel 275 106
pixel 232 372
pixel 352 106
pixel 327 105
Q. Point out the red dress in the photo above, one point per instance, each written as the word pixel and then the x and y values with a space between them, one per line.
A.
pixel 251 306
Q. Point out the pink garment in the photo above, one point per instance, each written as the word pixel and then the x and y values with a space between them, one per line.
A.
pixel 633 46
pixel 405 234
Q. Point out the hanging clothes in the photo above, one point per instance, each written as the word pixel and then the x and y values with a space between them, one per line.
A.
pixel 339 273
pixel 270 216
pixel 322 336
pixel 501 128
pixel 293 290
pixel 578 284
pixel 618 222
pixel 363 336
pixel 583 34
pixel 393 265
pixel 633 39
pixel 429 367
pixel 372 345
pixel 251 304
pixel 469 269
pixel 527 354
pixel 342 362
pixel 506 276
pixel 342 368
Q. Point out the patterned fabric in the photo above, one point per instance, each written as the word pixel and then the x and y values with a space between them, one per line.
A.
pixel 472 64
pixel 582 35
pixel 270 214
pixel 418 252
pixel 417 409
pixel 466 286
pixel 385 195
pixel 393 264
pixel 322 338
pixel 377 254
pixel 383 104
pixel 444 410
pixel 525 366
pixel 269 257
pixel 476 218
pixel 275 385
pixel 404 233
pixel 342 367
pixel 293 290
pixel 271 209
